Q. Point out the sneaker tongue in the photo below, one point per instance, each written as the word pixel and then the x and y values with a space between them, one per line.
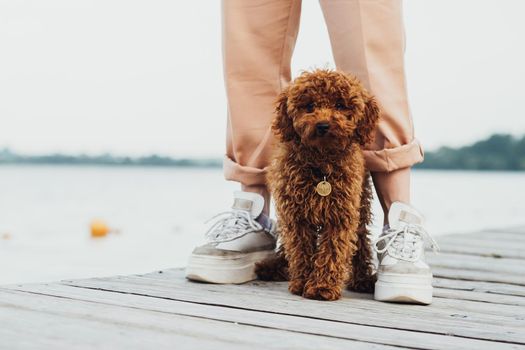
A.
pixel 401 213
pixel 248 201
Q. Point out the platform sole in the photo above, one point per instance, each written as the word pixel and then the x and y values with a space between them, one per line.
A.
pixel 225 269
pixel 404 288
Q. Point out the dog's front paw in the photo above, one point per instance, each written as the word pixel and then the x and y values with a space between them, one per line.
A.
pixel 363 285
pixel 321 292
pixel 296 287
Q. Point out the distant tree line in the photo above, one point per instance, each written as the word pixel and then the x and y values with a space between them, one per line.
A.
pixel 498 152
pixel 8 157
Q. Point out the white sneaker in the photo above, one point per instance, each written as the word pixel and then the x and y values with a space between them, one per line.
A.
pixel 403 275
pixel 239 239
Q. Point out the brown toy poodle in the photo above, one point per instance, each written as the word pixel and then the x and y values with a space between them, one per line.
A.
pixel 320 185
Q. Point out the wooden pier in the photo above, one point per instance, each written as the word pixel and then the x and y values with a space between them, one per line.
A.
pixel 479 303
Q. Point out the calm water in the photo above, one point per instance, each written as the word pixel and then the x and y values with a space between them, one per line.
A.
pixel 160 213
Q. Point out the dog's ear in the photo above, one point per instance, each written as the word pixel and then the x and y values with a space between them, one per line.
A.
pixel 365 131
pixel 282 124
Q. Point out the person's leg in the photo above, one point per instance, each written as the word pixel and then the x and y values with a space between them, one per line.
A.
pixel 258 40
pixel 393 186
pixel 368 41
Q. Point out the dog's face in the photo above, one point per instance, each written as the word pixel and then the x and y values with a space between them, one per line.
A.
pixel 327 110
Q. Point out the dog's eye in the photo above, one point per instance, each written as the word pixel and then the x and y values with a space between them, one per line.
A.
pixel 309 107
pixel 340 105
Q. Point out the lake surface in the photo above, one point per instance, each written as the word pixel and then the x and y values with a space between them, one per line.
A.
pixel 45 213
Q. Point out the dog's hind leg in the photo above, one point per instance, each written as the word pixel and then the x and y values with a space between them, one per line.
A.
pixel 362 278
pixel 274 268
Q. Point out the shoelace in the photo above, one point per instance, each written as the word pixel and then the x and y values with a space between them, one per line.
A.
pixel 234 224
pixel 405 242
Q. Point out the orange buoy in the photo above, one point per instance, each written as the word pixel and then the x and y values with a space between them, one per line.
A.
pixel 99 229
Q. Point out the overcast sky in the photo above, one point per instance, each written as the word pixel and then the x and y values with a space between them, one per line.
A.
pixel 136 77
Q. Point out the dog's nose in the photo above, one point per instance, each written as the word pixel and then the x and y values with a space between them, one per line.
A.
pixel 322 128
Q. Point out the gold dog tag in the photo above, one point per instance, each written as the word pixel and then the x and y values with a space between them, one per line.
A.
pixel 323 188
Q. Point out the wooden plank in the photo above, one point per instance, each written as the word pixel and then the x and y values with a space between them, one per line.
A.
pixel 479 263
pixel 503 305
pixel 481 286
pixel 84 328
pixel 498 309
pixel 486 242
pixel 497 235
pixel 27 329
pixel 41 318
pixel 473 275
pixel 277 290
pixel 479 303
pixel 495 300
pixel 405 339
pixel 512 253
pixel 361 311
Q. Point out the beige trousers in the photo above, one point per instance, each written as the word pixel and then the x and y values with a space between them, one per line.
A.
pixel 367 38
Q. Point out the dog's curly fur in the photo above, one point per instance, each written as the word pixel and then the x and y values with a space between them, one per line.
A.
pixel 324 240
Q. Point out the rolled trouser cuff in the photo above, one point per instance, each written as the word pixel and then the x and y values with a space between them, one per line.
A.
pixel 390 159
pixel 385 160
pixel 246 175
